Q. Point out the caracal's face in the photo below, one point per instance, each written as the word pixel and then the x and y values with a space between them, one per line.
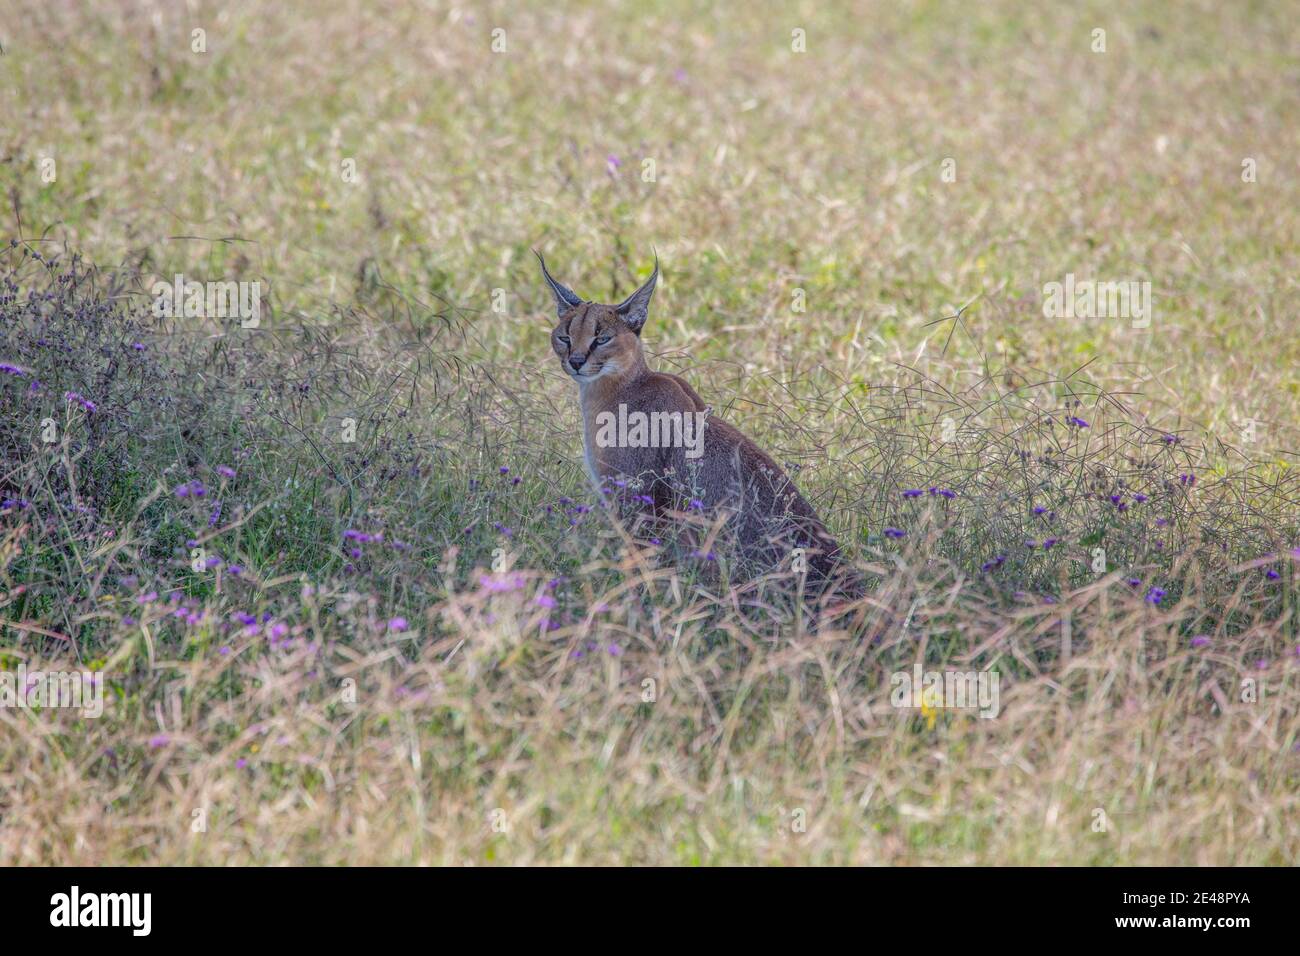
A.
pixel 593 341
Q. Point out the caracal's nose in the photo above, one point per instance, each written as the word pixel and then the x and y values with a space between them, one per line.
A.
pixel 577 361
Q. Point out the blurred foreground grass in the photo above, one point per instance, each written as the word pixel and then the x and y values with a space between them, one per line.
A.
pixel 349 681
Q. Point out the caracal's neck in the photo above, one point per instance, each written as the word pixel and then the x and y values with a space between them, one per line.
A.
pixel 602 395
pixel 604 392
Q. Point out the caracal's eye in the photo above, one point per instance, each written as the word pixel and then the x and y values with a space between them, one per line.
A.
pixel 563 338
pixel 602 340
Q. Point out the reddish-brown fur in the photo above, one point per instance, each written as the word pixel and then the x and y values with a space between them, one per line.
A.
pixel 766 513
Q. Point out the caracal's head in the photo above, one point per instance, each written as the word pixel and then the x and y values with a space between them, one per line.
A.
pixel 595 340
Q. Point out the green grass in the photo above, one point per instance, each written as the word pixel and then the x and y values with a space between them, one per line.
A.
pixel 409 300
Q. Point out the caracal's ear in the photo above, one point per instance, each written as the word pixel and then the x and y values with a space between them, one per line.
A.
pixel 636 307
pixel 565 299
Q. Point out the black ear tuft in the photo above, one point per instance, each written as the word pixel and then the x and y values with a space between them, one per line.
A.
pixel 636 307
pixel 565 298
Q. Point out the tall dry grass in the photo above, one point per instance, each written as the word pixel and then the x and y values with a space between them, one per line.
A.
pixel 347 678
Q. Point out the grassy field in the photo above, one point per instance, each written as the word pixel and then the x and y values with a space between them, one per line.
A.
pixel 347 593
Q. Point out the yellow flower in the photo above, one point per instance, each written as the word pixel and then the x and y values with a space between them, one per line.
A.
pixel 931 701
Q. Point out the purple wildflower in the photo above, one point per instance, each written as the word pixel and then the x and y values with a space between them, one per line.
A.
pixel 497 583
pixel 81 400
